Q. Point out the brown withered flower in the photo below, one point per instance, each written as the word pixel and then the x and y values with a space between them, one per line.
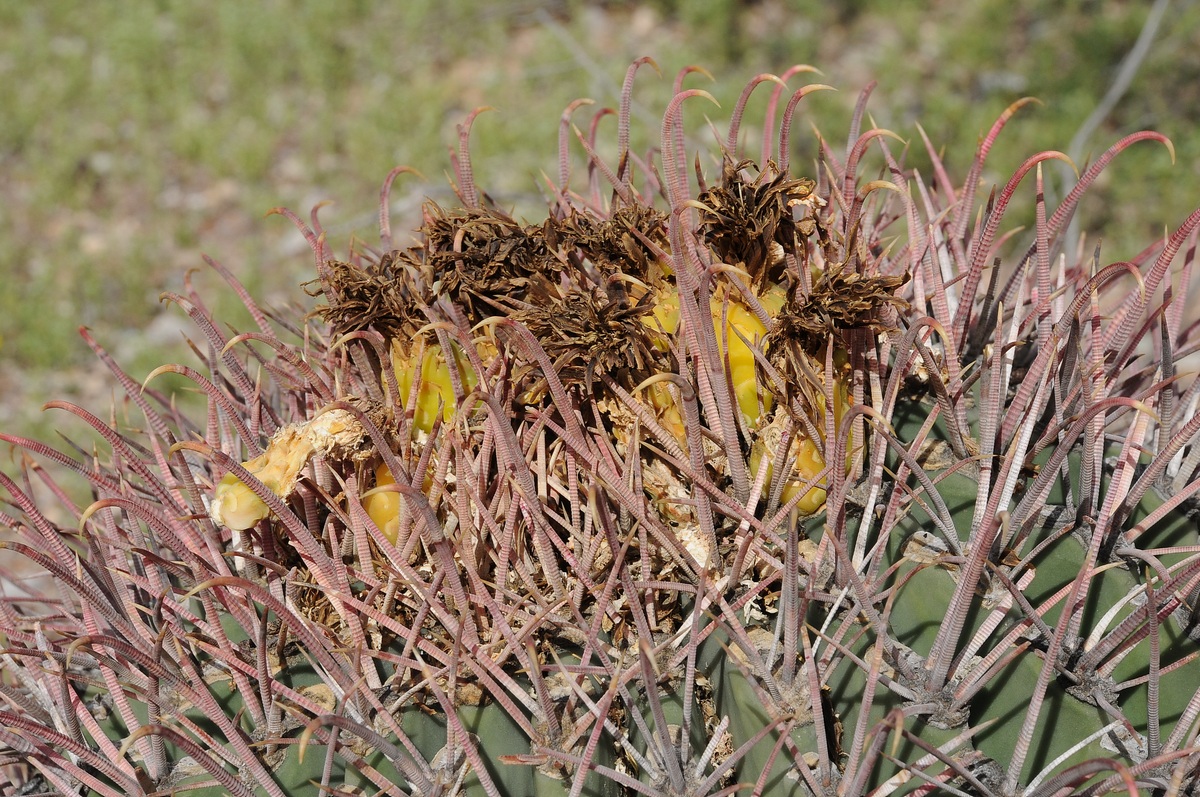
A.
pixel 386 295
pixel 481 255
pixel 749 223
pixel 589 330
pixel 616 244
pixel 841 299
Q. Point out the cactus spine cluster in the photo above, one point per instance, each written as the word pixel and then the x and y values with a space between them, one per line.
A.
pixel 732 481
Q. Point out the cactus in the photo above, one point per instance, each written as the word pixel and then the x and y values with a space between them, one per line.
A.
pixel 771 484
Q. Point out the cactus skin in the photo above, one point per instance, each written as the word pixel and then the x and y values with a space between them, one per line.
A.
pixel 579 577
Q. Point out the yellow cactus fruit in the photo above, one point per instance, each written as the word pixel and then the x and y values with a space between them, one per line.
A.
pixel 773 299
pixel 336 433
pixel 665 314
pixel 667 411
pixel 807 455
pixel 435 387
pixel 383 507
pixel 743 370
pixel 808 461
pixel 386 507
pixel 742 366
pixel 235 505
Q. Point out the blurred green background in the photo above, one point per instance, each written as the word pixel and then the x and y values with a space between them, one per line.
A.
pixel 136 135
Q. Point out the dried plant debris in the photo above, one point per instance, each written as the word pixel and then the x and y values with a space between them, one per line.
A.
pixel 487 263
pixel 752 224
pixel 619 244
pixel 840 300
pixel 386 296
pixel 478 256
pixel 591 330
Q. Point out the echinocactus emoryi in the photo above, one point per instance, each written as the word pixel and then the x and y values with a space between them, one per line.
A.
pixel 721 478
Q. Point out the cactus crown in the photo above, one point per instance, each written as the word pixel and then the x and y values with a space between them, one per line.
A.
pixel 781 484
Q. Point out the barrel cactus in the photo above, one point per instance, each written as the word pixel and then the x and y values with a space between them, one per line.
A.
pixel 727 476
